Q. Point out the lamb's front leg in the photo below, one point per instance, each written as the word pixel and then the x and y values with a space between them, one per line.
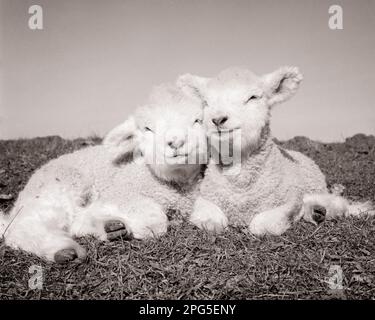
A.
pixel 275 221
pixel 140 218
pixel 145 218
pixel 103 221
pixel 207 215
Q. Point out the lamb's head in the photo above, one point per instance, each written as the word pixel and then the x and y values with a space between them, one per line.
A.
pixel 167 134
pixel 237 99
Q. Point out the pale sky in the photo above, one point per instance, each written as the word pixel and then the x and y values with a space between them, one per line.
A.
pixel 96 61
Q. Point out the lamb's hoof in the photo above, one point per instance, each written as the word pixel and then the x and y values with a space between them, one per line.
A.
pixel 65 255
pixel 115 229
pixel 113 225
pixel 319 214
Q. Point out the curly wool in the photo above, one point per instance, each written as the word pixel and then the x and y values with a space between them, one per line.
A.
pixel 267 189
pixel 269 178
pixel 76 194
pixel 82 179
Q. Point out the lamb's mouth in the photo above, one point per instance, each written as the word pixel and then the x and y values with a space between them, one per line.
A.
pixel 183 155
pixel 221 132
pixel 178 157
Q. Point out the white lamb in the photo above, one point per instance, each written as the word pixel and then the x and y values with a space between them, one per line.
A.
pixel 136 176
pixel 273 186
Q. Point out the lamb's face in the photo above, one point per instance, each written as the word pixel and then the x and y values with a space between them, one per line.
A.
pixel 168 134
pixel 172 139
pixel 235 104
pixel 239 101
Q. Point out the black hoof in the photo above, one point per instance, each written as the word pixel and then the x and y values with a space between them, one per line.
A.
pixel 121 234
pixel 115 229
pixel 113 225
pixel 65 256
pixel 319 214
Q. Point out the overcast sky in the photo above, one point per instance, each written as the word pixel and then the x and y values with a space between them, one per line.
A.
pixel 95 61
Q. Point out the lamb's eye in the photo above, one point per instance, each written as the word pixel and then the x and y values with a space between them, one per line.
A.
pixel 148 129
pixel 198 121
pixel 251 98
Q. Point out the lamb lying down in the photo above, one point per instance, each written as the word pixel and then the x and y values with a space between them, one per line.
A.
pixel 135 177
pixel 267 187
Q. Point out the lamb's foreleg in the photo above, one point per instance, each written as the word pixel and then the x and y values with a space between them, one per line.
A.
pixel 140 218
pixel 275 221
pixel 207 215
pixel 103 221
pixel 145 218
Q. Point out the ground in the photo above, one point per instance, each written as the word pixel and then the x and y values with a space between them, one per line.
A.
pixel 187 263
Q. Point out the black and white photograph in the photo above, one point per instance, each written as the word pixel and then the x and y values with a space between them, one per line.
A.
pixel 209 151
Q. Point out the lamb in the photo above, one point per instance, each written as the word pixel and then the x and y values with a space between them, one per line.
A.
pixel 125 186
pixel 271 187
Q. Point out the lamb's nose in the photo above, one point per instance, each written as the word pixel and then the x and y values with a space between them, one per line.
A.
pixel 176 143
pixel 219 120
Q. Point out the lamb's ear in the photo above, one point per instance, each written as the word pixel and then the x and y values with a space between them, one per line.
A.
pixel 122 141
pixel 193 85
pixel 281 84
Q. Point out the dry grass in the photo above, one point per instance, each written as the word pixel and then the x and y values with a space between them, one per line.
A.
pixel 189 264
